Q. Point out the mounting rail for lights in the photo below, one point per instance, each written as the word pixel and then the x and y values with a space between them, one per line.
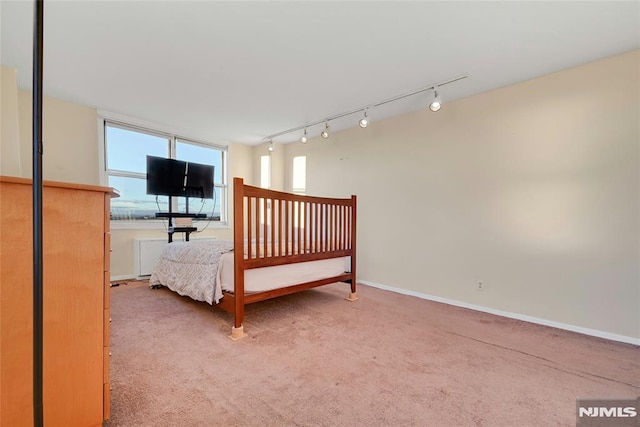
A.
pixel 357 110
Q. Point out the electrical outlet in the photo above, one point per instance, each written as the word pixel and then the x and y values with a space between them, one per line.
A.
pixel 481 286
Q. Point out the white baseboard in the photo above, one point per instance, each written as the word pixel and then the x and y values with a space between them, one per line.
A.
pixel 530 319
pixel 125 277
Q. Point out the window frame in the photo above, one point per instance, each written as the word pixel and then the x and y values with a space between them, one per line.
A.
pixel 106 119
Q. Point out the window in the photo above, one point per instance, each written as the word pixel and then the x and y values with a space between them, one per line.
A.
pixel 299 185
pixel 126 150
pixel 299 174
pixel 199 153
pixel 265 182
pixel 265 171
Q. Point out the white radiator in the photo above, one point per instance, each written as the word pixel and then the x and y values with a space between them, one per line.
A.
pixel 146 253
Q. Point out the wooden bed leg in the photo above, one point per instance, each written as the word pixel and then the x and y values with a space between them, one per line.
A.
pixel 237 333
pixel 353 296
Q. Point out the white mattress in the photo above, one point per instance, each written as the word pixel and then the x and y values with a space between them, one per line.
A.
pixel 280 276
pixel 203 270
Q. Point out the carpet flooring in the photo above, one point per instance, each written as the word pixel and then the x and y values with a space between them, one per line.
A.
pixel 314 359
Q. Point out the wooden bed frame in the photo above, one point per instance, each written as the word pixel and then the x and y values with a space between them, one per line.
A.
pixel 271 220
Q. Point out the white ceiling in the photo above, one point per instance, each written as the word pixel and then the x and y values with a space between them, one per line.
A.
pixel 239 71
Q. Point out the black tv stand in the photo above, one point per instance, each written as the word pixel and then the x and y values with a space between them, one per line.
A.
pixel 179 215
pixel 186 230
pixel 171 229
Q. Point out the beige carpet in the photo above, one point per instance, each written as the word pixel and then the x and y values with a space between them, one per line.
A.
pixel 314 359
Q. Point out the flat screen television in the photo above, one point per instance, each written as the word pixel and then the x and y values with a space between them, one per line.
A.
pixel 169 177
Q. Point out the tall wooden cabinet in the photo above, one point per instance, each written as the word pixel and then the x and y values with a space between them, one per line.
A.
pixel 76 246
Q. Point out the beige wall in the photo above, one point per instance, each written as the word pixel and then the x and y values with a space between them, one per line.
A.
pixel 532 189
pixel 69 137
pixel 10 164
pixel 69 134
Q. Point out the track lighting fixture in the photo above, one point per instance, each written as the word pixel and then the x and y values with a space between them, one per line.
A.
pixel 436 104
pixel 325 132
pixel 364 121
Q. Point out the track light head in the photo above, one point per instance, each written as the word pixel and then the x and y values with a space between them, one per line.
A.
pixel 364 121
pixel 270 146
pixel 436 104
pixel 303 138
pixel 325 132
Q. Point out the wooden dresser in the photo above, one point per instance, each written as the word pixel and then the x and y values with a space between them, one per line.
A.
pixel 76 246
